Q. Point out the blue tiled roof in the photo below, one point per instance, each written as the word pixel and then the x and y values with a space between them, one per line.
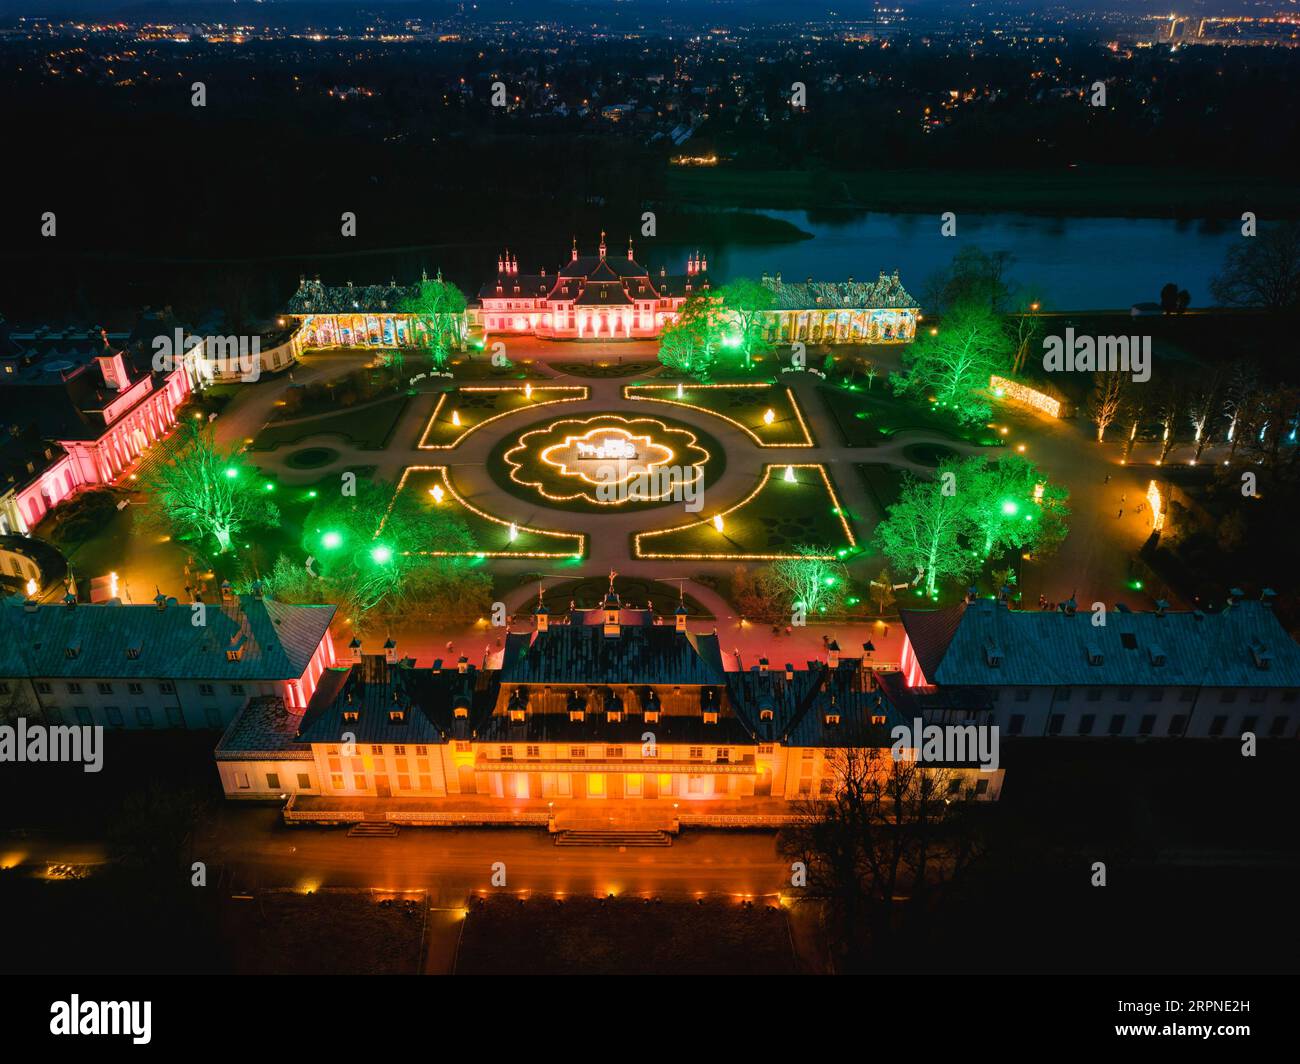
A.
pixel 148 642
pixel 984 643
pixel 583 654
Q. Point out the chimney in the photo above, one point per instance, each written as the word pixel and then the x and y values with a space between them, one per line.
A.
pixel 390 651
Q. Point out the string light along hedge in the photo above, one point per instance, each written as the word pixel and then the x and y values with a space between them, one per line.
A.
pixel 562 393
pixel 643 542
pixel 632 391
pixel 511 529
pixel 693 455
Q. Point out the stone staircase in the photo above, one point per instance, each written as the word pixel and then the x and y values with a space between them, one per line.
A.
pixel 612 837
pixel 372 829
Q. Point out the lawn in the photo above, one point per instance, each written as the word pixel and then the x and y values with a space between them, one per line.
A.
pixel 867 418
pixel 367 427
pixel 777 517
pixel 628 936
pixel 768 413
pixel 516 466
pixel 492 536
pixel 328 932
pixel 884 483
pixel 465 409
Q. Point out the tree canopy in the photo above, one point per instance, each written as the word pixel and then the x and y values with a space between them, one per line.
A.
pixel 953 365
pixel 440 307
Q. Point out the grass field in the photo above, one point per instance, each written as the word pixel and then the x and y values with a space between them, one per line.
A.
pixel 866 418
pixel 746 406
pixel 368 427
pixel 626 936
pixel 779 516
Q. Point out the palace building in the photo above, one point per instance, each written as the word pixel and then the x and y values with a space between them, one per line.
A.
pixel 605 705
pixel 603 297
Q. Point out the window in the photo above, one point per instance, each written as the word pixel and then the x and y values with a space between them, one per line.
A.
pixel 1227 697
pixel 241 781
pixel 1116 724
pixel 1248 724
pixel 1054 723
pixel 236 688
pixel 1177 724
pixel 764 714
pixel 807 754
pixel 765 750
pixel 167 688
pixel 1016 724
pixel 205 690
pixel 114 716
pixel 982 786
pixel 462 746
pixel 378 751
pixel 1063 694
pixel 1278 728
pixel 1217 725
pixel 421 751
pixel 724 754
pixel 577 752
pixel 174 717
pixel 144 716
pixel 532 751
pixel 399 751
pixel 1187 694
pixel 213 716
pixel 74 688
pixel 614 752
pixel 1147 724
pixel 954 785
pixel 43 688
pixel 105 688
pixel 135 688
pixel 1094 694
pixel 4 688
pixel 1126 694
pixel 273 781
pixel 1086 723
pixel 1258 696
pixel 1156 694
pixel 507 753
pixel 83 715
pixel 697 752
pixel 827 786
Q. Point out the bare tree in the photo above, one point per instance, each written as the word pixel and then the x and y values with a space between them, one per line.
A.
pixel 1262 271
pixel 1202 401
pixel 1106 400
pixel 1171 404
pixel 882 847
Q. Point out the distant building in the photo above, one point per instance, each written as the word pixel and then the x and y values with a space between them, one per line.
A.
pixel 605 704
pixel 153 666
pixel 78 409
pixel 1140 675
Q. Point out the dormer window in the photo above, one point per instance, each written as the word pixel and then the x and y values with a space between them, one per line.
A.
pixel 614 716
pixel 710 716
pixel 72 650
pixel 397 715
pixel 351 716
pixel 1094 654
pixel 577 716
pixel 832 719
pixel 461 712
pixel 133 650
pixel 652 716
pixel 517 716
pixel 877 718
pixel 765 714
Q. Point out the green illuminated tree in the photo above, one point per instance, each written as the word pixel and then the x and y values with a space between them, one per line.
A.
pixel 810 583
pixel 440 307
pixel 208 491
pixel 928 532
pixel 690 345
pixel 954 364
pixel 1006 505
pixel 367 556
pixel 745 305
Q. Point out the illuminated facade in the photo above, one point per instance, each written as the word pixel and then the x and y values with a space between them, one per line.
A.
pixel 604 705
pixel 603 297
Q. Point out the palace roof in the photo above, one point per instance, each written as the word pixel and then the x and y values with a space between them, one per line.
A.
pixel 312 297
pixel 805 703
pixel 272 641
pixel 885 293
pixel 984 643
pixel 583 654
pixel 592 280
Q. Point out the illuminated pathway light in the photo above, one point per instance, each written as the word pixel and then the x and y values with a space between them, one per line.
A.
pixel 769 415
pixel 455 418
pixel 789 474
pixel 717 522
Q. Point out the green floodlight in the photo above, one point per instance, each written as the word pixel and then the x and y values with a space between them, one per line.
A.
pixel 331 540
pixel 232 472
pixel 381 554
pixel 1010 507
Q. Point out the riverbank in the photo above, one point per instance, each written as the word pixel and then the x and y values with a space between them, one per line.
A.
pixel 1127 192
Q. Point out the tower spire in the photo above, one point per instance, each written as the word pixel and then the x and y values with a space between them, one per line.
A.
pixel 602 243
